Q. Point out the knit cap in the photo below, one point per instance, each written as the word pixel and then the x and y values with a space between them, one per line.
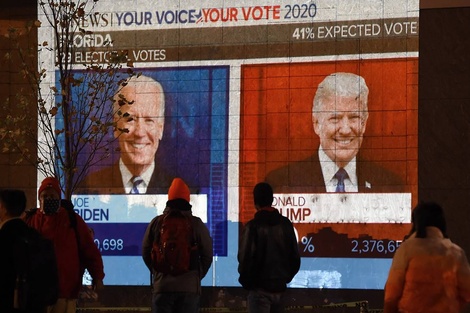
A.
pixel 178 190
pixel 50 182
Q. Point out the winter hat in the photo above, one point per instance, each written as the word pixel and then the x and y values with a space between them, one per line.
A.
pixel 178 190
pixel 50 182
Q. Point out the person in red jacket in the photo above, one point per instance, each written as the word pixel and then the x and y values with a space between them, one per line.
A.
pixel 73 243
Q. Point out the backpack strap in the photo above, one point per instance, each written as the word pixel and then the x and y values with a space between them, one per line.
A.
pixel 155 235
pixel 164 215
pixel 68 206
pixel 160 218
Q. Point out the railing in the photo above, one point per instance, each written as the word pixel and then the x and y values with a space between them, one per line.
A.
pixel 344 307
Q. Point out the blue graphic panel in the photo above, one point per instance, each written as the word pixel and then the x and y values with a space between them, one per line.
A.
pixel 194 143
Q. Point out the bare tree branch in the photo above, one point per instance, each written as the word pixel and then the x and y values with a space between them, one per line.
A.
pixel 75 119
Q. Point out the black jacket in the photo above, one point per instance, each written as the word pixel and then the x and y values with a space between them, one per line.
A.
pixel 11 230
pixel 268 255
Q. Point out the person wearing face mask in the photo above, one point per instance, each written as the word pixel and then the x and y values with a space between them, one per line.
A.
pixel 74 245
pixel 140 111
pixel 339 116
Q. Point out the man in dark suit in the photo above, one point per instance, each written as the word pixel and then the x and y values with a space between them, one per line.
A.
pixel 139 129
pixel 339 116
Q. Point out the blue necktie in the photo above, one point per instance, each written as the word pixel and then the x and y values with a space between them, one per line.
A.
pixel 340 175
pixel 136 181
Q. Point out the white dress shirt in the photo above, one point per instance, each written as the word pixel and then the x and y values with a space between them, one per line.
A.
pixel 329 169
pixel 127 177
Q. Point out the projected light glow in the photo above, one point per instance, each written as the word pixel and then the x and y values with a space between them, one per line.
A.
pixel 239 84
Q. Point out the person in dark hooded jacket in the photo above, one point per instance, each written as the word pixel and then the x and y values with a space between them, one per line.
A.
pixel 178 293
pixel 268 254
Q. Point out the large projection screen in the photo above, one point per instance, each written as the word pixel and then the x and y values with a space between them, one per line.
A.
pixel 239 80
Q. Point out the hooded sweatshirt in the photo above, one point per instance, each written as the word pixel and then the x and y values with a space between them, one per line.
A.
pixel 268 255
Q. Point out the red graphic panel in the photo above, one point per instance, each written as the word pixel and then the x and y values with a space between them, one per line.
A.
pixel 276 129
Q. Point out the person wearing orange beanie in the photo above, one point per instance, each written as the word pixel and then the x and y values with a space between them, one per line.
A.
pixel 178 190
pixel 74 245
pixel 178 293
pixel 178 195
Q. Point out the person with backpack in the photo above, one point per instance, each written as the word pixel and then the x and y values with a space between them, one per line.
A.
pixel 177 249
pixel 28 270
pixel 74 245
pixel 268 255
